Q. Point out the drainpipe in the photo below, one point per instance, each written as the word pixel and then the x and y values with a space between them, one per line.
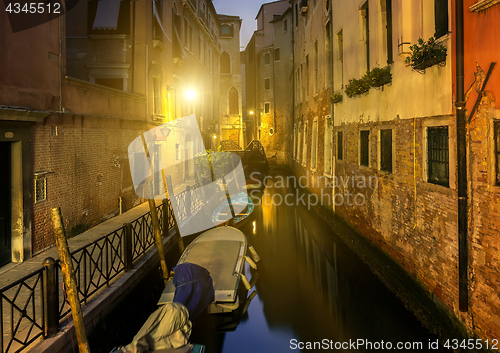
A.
pixel 293 79
pixel 463 295
pixel 274 92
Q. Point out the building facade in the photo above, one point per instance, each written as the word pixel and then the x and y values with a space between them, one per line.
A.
pixel 374 134
pixel 231 118
pixel 77 90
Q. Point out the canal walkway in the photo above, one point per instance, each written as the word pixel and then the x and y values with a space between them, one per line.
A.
pixel 24 295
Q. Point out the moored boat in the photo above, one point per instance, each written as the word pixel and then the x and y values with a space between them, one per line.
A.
pixel 222 252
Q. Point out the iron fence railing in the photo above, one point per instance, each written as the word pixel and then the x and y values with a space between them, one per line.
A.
pixel 22 312
pixel 23 317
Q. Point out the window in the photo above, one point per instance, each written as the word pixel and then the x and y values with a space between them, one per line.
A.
pixel 233 101
pixel 267 108
pixel 386 150
pixel 296 15
pixel 328 52
pixel 267 83
pixel 177 33
pixel 306 90
pixel 438 164
pixel 157 96
pixel 277 54
pixel 40 188
pixel 316 67
pixel 298 155
pixel 365 30
pixel 266 58
pixel 285 25
pixel 340 145
pixel 304 144
pixel 328 146
pixel 388 24
pixel 496 127
pixel 225 63
pixel 186 33
pixel 199 48
pixel 158 20
pixel 294 152
pixel 364 148
pixel 226 30
pixel 339 62
pixel 314 145
pixel 441 17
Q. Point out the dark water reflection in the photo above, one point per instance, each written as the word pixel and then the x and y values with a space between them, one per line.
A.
pixel 312 287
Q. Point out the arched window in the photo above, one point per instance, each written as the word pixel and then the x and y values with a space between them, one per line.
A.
pixel 233 101
pixel 225 63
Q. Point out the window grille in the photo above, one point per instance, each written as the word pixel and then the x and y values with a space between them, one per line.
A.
pixel 497 152
pixel 364 148
pixel 386 150
pixel 340 145
pixel 438 164
pixel 40 188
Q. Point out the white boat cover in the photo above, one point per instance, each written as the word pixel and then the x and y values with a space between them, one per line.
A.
pixel 167 327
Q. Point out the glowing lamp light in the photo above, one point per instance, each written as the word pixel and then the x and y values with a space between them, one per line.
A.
pixel 190 94
pixel 251 112
pixel 215 136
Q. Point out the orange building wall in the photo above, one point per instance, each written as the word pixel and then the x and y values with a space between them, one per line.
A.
pixel 482 35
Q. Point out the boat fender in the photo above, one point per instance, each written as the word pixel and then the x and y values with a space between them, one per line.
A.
pixel 247 302
pixel 255 277
pixel 250 262
pixel 245 281
pixel 254 254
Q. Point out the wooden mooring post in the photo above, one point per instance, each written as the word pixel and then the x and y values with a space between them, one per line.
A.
pixel 157 233
pixel 69 280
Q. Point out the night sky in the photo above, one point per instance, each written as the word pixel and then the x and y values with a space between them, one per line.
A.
pixel 246 9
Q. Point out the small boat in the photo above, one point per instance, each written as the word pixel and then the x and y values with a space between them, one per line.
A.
pixel 222 252
pixel 241 202
pixel 167 330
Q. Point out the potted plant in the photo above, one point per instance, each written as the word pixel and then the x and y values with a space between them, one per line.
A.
pixel 379 76
pixel 357 86
pixel 337 97
pixel 425 54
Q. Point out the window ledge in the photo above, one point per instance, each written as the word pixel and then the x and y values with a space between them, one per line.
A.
pixel 159 44
pixel 445 190
pixel 482 5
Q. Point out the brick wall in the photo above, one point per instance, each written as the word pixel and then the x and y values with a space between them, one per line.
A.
pixel 89 172
pixel 416 221
pixel 484 203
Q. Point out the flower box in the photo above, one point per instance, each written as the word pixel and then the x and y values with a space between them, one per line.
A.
pixel 356 87
pixel 379 76
pixel 426 54
pixel 337 97
pixel 428 60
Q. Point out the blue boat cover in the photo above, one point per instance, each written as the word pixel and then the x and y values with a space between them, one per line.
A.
pixel 193 287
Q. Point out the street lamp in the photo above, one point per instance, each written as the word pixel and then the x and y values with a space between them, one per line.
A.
pixel 190 94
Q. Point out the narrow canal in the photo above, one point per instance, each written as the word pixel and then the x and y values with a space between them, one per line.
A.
pixel 311 288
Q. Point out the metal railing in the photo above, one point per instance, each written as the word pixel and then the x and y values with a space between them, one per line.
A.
pixel 26 316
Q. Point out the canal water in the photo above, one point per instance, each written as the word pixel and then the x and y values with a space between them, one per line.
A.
pixel 313 293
